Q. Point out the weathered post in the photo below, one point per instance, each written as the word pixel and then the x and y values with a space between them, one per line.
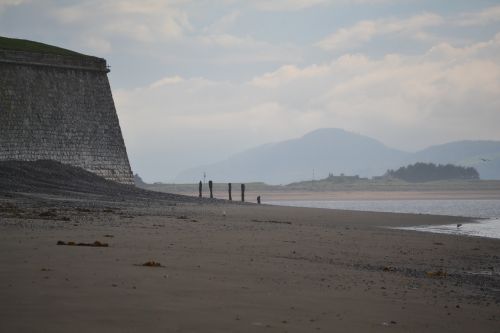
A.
pixel 258 199
pixel 210 186
pixel 229 190
pixel 200 185
pixel 242 192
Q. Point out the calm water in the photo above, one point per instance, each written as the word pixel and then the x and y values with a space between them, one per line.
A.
pixel 487 212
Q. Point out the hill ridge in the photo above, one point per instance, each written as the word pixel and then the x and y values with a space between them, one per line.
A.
pixel 334 150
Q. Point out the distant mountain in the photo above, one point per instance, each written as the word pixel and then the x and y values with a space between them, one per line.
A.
pixel 321 152
pixel 336 151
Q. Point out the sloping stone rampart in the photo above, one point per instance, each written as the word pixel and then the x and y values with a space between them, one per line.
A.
pixel 60 108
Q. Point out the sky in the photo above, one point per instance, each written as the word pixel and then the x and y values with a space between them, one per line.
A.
pixel 195 81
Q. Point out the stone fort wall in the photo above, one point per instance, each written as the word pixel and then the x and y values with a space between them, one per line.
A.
pixel 60 108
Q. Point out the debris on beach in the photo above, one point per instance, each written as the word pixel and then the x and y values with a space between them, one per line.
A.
pixel 437 274
pixel 51 214
pixel 48 213
pixel 272 221
pixel 94 244
pixel 152 263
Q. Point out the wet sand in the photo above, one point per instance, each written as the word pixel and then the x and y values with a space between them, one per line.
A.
pixel 236 268
pixel 266 196
pixel 382 195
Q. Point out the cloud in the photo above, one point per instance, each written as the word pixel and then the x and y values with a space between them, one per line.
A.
pixel 166 81
pixel 195 81
pixel 364 31
pixel 147 22
pixel 484 50
pixel 414 27
pixel 162 32
pixel 287 74
pixel 4 4
pixel 295 5
pixel 230 41
pixel 96 45
pixel 286 5
pixel 483 17
pixel 223 24
pixel 406 101
pixel 231 49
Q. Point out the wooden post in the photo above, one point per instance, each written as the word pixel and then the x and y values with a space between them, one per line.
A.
pixel 200 186
pixel 242 192
pixel 210 186
pixel 258 199
pixel 229 190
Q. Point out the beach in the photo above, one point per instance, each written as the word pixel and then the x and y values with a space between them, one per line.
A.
pixel 231 267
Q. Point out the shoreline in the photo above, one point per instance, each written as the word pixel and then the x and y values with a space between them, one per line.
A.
pixel 251 195
pixel 478 227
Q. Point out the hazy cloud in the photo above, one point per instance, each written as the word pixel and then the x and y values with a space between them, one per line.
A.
pixel 408 101
pixel 96 45
pixel 9 3
pixel 483 17
pixel 235 49
pixel 275 5
pixel 195 81
pixel 288 73
pixel 145 21
pixel 361 32
pixel 294 5
pixel 223 24
pixel 414 27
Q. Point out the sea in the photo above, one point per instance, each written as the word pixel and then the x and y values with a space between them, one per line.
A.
pixel 485 213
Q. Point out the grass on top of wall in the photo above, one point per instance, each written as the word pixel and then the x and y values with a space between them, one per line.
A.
pixel 31 46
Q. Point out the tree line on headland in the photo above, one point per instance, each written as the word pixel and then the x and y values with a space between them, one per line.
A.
pixel 426 172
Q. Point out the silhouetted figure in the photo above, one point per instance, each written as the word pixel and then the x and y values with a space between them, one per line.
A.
pixel 242 192
pixel 210 186
pixel 229 190
pixel 200 187
pixel 258 199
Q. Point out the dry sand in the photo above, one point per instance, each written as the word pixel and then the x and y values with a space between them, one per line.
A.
pixel 236 268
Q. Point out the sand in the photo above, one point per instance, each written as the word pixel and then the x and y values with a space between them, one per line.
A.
pixel 235 268
pixel 226 267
